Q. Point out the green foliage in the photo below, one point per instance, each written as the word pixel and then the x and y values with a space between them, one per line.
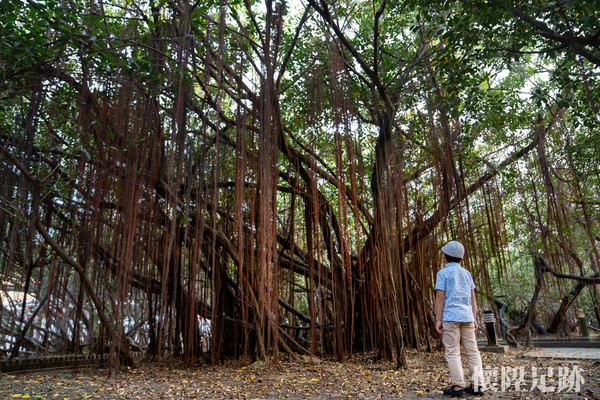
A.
pixel 118 99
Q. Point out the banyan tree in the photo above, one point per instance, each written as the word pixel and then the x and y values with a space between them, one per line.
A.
pixel 277 177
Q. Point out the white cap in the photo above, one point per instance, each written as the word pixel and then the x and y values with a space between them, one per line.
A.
pixel 454 249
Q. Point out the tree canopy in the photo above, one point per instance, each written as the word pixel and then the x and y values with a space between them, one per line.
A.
pixel 288 171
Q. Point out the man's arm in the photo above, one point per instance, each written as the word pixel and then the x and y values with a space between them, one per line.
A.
pixel 474 306
pixel 439 308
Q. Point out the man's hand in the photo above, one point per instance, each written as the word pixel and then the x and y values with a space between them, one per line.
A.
pixel 439 327
pixel 475 326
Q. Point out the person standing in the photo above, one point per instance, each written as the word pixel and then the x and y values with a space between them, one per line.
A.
pixel 455 319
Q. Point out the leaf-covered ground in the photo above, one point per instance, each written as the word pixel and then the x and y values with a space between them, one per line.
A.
pixel 361 377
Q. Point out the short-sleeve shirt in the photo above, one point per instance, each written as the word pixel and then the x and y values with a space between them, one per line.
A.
pixel 457 284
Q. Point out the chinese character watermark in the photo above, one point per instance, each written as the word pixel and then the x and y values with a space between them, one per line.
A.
pixel 546 380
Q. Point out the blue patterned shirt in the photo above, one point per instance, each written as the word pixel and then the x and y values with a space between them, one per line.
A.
pixel 457 284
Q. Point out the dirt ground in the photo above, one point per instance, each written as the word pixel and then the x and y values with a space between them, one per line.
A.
pixel 510 376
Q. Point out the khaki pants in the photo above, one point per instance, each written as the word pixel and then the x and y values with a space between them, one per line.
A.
pixel 454 334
